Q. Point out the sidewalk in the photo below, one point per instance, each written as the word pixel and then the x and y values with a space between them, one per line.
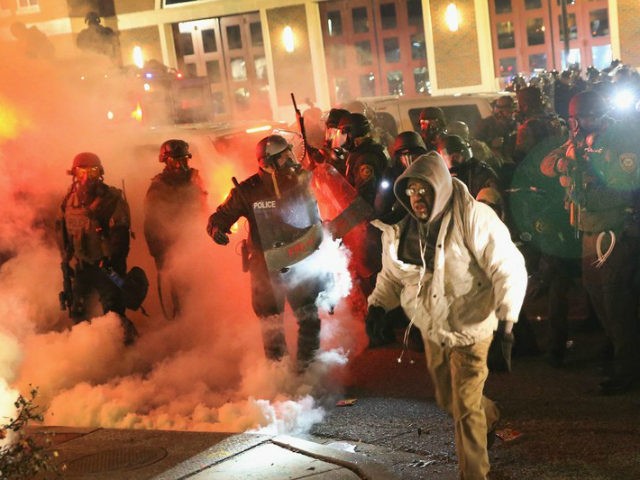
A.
pixel 107 454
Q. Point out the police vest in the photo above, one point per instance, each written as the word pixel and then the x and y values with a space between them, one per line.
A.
pixel 84 232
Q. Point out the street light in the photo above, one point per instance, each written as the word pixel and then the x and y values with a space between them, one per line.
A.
pixel 452 17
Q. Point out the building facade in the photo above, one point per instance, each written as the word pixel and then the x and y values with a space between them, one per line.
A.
pixel 254 54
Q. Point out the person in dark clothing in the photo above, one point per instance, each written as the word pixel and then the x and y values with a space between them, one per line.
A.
pixel 93 232
pixel 599 166
pixel 366 163
pixel 499 129
pixel 284 229
pixel 475 174
pixel 175 196
pixel 432 127
pixel 406 148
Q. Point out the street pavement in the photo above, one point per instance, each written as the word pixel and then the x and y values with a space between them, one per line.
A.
pixel 386 425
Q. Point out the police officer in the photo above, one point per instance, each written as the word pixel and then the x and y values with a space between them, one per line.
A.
pixel 406 148
pixel 432 127
pixel 284 229
pixel 474 173
pixel 93 231
pixel 175 196
pixel 499 129
pixel 600 169
pixel 535 124
pixel 366 159
pixel 332 150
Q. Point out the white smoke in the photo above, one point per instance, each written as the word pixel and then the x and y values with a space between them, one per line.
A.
pixel 204 370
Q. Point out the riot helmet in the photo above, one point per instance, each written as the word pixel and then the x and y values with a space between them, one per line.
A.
pixel 92 18
pixel 332 130
pixel 407 147
pixel 586 111
pixel 432 125
pixel 87 161
pixel 529 99
pixel 269 151
pixel 456 127
pixel 355 125
pixel 175 155
pixel 455 150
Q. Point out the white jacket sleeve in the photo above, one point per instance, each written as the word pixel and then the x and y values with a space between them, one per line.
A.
pixel 490 242
pixel 386 293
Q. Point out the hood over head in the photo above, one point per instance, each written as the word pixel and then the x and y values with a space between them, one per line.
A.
pixel 429 167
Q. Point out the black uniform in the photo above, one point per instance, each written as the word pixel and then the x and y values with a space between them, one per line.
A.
pixel 93 235
pixel 284 228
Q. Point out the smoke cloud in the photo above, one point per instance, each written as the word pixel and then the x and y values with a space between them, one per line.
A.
pixel 204 370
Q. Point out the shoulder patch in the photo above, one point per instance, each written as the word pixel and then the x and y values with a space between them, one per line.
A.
pixel 365 172
pixel 628 162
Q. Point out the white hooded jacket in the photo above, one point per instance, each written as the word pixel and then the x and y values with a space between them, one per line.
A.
pixel 479 275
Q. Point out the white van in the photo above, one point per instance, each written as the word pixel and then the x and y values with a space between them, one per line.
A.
pixel 468 108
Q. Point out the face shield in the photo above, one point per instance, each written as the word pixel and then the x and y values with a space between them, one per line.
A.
pixel 178 164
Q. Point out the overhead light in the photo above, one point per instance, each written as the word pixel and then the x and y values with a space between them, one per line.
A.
pixel 288 39
pixel 452 17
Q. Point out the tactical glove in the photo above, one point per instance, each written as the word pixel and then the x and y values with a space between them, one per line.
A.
pixel 218 235
pixel 378 328
pixel 499 358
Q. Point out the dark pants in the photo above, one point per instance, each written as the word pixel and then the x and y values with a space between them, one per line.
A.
pixel 613 295
pixel 89 278
pixel 269 291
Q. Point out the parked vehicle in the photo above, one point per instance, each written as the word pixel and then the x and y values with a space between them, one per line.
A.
pixel 468 108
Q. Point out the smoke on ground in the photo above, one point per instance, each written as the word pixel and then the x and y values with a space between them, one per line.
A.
pixel 205 369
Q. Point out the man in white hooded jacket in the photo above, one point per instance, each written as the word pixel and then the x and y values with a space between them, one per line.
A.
pixel 451 265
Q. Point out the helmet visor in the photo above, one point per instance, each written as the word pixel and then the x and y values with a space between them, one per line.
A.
pixel 83 174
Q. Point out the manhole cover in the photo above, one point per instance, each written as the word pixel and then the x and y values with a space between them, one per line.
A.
pixel 118 459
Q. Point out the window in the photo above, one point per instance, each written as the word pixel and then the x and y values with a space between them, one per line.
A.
pixel 388 17
pixel 260 64
pixel 213 71
pixel 234 38
pixel 255 30
pixel 532 4
pixel 601 56
pixel 338 57
pixel 535 31
pixel 209 40
pixel 396 83
pixel 571 26
pixel 341 88
pixel 360 20
pixel 506 38
pixel 572 59
pixel 391 50
pixel 421 79
pixel 503 6
pixel 508 67
pixel 367 85
pixel 599 22
pixel 28 6
pixel 414 12
pixel 418 47
pixel 238 69
pixel 184 43
pixel 334 23
pixel 363 53
pixel 537 61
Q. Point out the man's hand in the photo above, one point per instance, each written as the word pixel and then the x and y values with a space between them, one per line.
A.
pixel 378 330
pixel 499 358
pixel 219 236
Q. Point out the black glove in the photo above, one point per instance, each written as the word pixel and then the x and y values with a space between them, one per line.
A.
pixel 219 236
pixel 378 328
pixel 499 358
